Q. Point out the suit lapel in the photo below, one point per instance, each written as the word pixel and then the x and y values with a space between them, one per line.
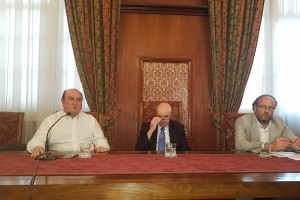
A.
pixel 273 133
pixel 153 140
pixel 172 131
pixel 255 127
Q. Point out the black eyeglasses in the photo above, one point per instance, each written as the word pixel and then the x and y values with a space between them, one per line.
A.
pixel 167 117
pixel 266 107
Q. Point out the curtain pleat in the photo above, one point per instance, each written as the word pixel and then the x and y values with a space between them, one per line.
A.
pixel 94 29
pixel 234 29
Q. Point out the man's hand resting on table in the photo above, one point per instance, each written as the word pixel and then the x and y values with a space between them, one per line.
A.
pixel 295 143
pixel 37 151
pixel 281 144
pixel 100 149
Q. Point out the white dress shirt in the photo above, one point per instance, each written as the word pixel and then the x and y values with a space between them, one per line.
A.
pixel 264 133
pixel 68 132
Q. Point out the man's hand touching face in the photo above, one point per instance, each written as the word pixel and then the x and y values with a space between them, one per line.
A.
pixel 154 123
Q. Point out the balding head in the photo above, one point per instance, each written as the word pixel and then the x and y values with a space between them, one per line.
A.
pixel 163 110
pixel 70 90
pixel 72 101
pixel 263 108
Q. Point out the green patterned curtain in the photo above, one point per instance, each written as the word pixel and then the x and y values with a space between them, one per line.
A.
pixel 234 27
pixel 94 29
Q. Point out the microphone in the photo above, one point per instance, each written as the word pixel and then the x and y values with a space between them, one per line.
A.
pixel 47 155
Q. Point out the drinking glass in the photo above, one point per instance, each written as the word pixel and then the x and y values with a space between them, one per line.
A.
pixel 170 150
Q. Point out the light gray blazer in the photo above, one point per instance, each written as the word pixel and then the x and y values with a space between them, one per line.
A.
pixel 247 136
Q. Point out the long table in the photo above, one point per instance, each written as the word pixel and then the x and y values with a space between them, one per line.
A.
pixel 127 175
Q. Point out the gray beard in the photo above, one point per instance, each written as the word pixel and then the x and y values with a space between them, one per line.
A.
pixel 264 122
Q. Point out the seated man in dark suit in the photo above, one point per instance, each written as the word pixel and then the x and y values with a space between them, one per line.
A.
pixel 161 130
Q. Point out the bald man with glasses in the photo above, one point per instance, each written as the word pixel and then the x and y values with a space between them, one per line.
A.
pixel 161 127
pixel 253 131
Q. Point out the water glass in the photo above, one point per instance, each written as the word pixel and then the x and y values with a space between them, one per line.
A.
pixel 265 151
pixel 85 151
pixel 170 150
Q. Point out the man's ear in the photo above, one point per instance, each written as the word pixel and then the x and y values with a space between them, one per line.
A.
pixel 254 108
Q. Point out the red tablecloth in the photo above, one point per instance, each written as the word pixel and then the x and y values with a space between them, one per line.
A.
pixel 101 164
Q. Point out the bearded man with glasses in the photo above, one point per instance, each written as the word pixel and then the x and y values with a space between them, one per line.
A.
pixel 253 131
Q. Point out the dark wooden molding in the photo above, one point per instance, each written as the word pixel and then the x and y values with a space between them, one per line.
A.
pixel 164 9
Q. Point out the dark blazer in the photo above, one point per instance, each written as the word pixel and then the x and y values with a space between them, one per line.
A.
pixel 177 135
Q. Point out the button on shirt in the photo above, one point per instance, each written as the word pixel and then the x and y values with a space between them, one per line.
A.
pixel 68 132
pixel 167 135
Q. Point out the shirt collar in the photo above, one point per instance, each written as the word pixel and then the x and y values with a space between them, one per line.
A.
pixel 260 126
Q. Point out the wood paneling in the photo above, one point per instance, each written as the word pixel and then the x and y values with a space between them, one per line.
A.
pixel 163 36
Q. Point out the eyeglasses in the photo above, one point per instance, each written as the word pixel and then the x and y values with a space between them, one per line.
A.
pixel 271 108
pixel 167 117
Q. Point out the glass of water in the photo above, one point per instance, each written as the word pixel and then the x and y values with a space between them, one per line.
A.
pixel 85 151
pixel 266 151
pixel 170 151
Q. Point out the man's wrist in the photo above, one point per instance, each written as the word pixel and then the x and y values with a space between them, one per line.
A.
pixel 262 145
pixel 149 134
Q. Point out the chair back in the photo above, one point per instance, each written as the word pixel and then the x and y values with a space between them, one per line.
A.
pixel 11 127
pixel 147 110
pixel 228 130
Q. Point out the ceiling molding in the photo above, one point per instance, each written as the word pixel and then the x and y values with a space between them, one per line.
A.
pixel 164 9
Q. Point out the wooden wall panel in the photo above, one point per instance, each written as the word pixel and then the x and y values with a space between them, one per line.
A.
pixel 163 36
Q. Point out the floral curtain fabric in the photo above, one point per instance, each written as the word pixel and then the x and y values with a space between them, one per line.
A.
pixel 94 29
pixel 234 28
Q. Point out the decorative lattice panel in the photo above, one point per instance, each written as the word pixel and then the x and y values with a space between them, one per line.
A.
pixel 167 81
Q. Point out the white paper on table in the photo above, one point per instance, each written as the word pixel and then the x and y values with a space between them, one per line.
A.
pixel 280 154
pixel 295 156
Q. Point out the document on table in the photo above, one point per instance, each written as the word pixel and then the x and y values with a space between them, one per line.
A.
pixel 291 155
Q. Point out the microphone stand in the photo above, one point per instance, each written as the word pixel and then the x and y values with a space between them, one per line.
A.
pixel 48 155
